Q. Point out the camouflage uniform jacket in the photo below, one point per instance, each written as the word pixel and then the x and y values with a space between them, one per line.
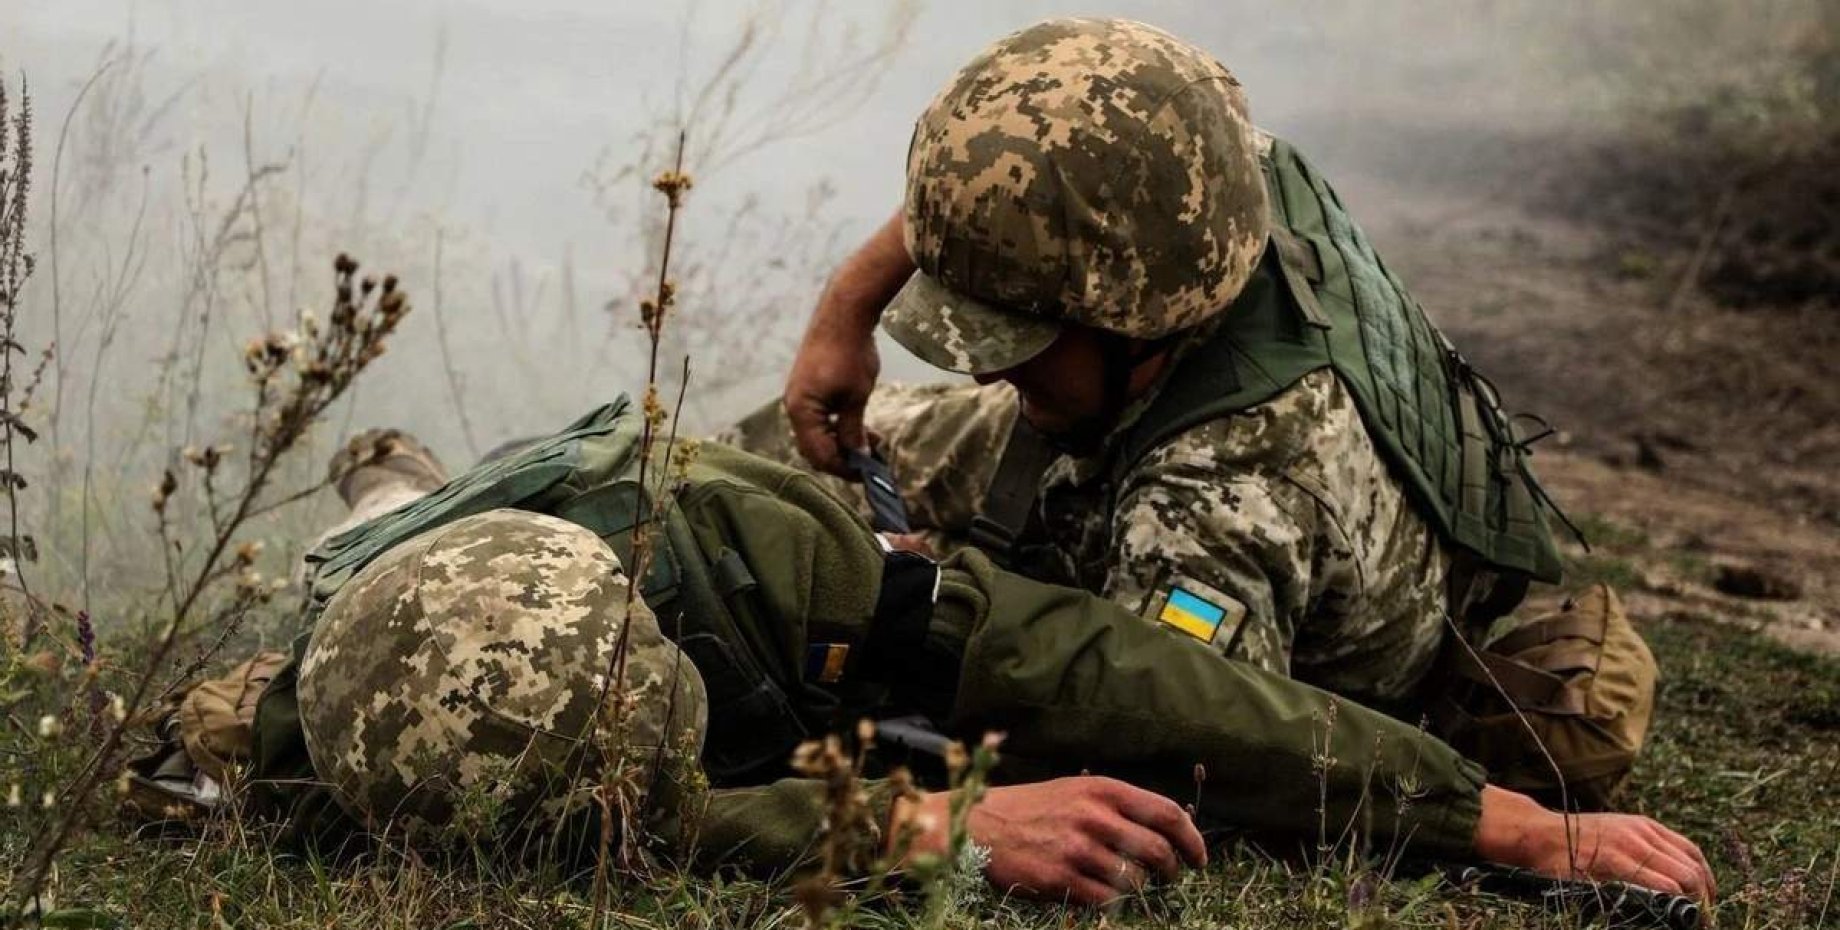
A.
pixel 1284 515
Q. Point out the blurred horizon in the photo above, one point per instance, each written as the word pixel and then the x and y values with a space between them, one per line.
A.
pixel 512 138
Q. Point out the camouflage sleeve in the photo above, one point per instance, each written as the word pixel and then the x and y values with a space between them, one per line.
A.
pixel 1219 512
pixel 942 442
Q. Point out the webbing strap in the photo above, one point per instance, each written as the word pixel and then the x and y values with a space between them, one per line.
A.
pixel 1475 445
pixel 903 613
pixel 1574 625
pixel 1012 492
pixel 1301 265
pixel 1524 686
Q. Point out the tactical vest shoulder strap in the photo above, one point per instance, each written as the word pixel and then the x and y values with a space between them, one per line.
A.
pixel 1010 499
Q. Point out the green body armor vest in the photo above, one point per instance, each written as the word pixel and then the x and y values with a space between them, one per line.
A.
pixel 751 564
pixel 1321 298
pixel 1324 299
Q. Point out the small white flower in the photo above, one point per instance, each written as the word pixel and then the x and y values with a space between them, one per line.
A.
pixel 118 708
pixel 49 801
pixel 49 726
pixel 15 796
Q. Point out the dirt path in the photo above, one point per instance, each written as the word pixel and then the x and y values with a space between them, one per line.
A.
pixel 1673 547
pixel 1698 446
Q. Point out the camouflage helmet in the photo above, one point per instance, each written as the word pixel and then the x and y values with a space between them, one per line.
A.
pixel 1092 171
pixel 470 662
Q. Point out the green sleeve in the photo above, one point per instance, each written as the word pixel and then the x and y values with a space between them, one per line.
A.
pixel 1076 679
pixel 767 830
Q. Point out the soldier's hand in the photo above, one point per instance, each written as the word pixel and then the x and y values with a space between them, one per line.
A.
pixel 1087 839
pixel 826 393
pixel 910 542
pixel 1516 830
pixel 837 362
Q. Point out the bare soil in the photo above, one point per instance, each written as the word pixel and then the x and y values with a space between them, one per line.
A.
pixel 1697 437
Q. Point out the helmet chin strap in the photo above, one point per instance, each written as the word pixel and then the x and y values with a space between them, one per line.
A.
pixel 1121 358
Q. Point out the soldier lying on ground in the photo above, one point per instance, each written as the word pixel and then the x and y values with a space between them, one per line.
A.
pixel 459 646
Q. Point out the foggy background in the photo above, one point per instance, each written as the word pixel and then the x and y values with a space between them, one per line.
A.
pixel 484 120
pixel 199 163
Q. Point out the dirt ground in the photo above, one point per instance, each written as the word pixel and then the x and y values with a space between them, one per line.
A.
pixel 1697 442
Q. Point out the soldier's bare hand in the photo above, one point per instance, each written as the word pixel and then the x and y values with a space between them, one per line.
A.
pixel 837 363
pixel 1086 840
pixel 1515 830
pixel 910 542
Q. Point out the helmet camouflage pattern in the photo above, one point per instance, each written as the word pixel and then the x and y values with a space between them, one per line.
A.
pixel 472 661
pixel 1094 171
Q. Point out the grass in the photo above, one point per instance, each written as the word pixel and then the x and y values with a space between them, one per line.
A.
pixel 1608 561
pixel 1743 757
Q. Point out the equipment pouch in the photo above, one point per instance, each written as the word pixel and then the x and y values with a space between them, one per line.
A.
pixel 203 730
pixel 216 716
pixel 1563 699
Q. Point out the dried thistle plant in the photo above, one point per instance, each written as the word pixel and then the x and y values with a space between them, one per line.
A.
pixel 851 838
pixel 623 784
pixel 295 376
pixel 759 264
pixel 16 266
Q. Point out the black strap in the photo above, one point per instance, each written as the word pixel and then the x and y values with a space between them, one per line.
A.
pixel 903 611
pixel 1011 495
pixel 888 512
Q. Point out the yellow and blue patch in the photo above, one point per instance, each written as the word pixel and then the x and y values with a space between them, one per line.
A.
pixel 1188 612
pixel 1195 609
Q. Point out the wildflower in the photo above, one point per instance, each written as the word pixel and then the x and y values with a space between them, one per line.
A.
pixel 956 757
pixel 164 492
pixel 49 726
pixel 252 354
pixel 48 800
pixel 15 796
pixel 86 637
pixel 118 708
pixel 673 185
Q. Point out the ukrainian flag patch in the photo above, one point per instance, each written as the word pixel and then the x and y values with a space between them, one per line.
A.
pixel 1198 610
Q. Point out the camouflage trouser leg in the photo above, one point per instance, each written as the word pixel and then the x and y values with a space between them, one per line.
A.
pixel 942 442
pixel 379 471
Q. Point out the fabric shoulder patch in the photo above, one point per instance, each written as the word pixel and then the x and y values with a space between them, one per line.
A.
pixel 1195 609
